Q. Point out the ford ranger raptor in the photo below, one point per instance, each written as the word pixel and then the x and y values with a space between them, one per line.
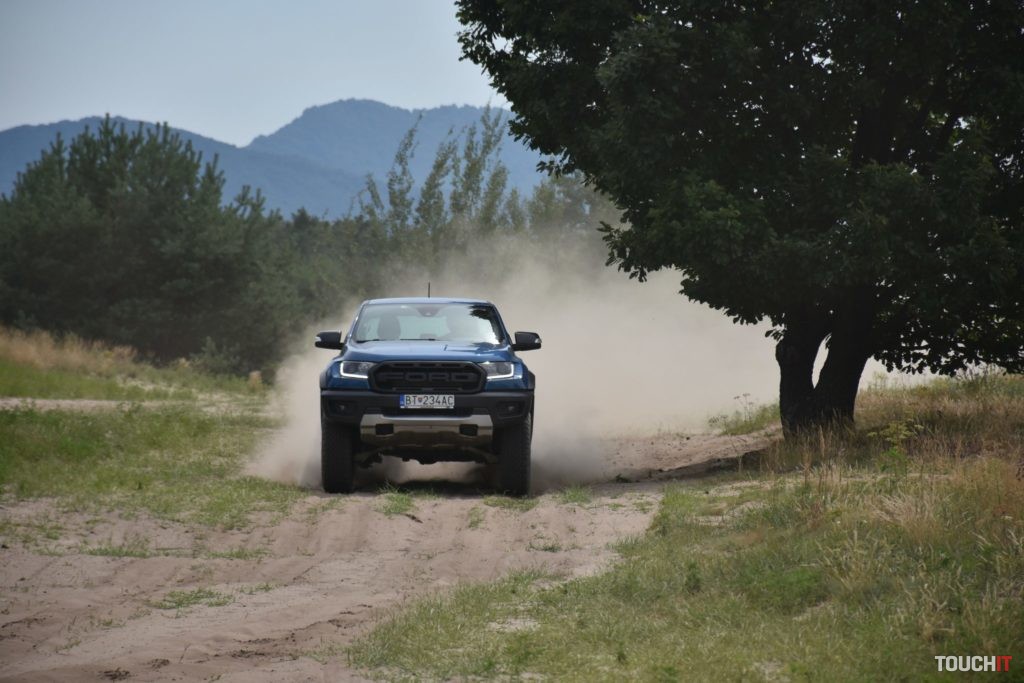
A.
pixel 430 380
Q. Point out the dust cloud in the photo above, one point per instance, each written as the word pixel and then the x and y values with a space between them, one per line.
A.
pixel 619 358
pixel 292 454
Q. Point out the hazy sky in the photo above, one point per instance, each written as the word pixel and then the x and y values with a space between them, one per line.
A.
pixel 228 69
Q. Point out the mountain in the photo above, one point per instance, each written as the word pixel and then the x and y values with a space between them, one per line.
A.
pixel 318 162
pixel 363 134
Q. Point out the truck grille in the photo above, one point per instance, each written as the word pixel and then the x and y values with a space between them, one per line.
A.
pixel 441 377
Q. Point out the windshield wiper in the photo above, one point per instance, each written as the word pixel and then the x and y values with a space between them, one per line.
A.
pixel 419 339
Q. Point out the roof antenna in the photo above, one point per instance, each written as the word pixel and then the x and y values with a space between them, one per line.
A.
pixel 428 289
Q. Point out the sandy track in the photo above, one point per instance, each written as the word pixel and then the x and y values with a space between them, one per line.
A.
pixel 314 578
pixel 332 567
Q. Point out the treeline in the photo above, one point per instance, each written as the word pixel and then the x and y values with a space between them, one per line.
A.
pixel 124 236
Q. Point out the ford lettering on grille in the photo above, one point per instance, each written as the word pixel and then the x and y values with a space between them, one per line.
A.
pixel 400 376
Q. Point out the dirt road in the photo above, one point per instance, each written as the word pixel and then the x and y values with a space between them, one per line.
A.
pixel 279 600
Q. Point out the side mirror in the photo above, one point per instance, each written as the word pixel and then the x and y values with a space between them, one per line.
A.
pixel 526 341
pixel 329 340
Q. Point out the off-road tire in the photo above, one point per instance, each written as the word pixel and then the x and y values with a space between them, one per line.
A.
pixel 337 457
pixel 513 450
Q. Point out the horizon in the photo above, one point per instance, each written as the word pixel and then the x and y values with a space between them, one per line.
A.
pixel 118 116
pixel 197 65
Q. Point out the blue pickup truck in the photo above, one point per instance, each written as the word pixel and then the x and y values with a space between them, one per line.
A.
pixel 431 380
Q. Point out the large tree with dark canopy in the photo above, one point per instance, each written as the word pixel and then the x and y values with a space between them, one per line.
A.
pixel 849 171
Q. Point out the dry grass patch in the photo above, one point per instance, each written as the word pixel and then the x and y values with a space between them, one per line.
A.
pixel 37 364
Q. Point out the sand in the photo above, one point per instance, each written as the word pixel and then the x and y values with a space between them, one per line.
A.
pixel 317 577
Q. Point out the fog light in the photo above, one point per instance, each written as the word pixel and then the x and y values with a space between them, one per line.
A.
pixel 468 430
pixel 385 430
pixel 510 408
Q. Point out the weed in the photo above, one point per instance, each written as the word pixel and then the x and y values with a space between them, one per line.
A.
pixel 239 554
pixel 643 504
pixel 513 504
pixel 476 517
pixel 33 534
pixel 894 460
pixel 395 502
pixel 136 546
pixel 575 495
pixel 545 546
pixel 749 418
pixel 324 651
pixel 68 644
pixel 106 623
pixel 180 600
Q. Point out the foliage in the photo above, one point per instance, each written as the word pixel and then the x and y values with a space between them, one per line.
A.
pixel 122 236
pixel 462 207
pixel 125 237
pixel 848 172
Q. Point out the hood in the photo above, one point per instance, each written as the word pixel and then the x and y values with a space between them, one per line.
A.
pixel 426 350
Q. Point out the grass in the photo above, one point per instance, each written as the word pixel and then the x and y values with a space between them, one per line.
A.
pixel 264 587
pixel 545 546
pixel 476 517
pixel 238 554
pixel 856 556
pixel 39 365
pixel 395 501
pixel 576 495
pixel 181 600
pixel 173 462
pixel 136 546
pixel 38 534
pixel 749 418
pixel 512 504
pixel 25 381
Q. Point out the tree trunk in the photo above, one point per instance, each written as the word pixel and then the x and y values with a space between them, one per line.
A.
pixel 804 405
pixel 795 354
pixel 836 391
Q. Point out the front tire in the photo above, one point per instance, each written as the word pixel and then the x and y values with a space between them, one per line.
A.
pixel 337 457
pixel 513 450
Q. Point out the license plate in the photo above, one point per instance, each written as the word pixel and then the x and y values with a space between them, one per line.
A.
pixel 439 401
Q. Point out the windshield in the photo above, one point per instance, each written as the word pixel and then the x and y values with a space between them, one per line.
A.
pixel 468 323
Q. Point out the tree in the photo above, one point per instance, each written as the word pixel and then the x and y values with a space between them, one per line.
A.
pixel 849 171
pixel 463 197
pixel 122 236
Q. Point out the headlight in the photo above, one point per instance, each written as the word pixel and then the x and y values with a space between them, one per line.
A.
pixel 356 369
pixel 498 370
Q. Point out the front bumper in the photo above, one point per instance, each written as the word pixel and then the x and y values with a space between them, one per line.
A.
pixel 504 408
pixel 426 432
